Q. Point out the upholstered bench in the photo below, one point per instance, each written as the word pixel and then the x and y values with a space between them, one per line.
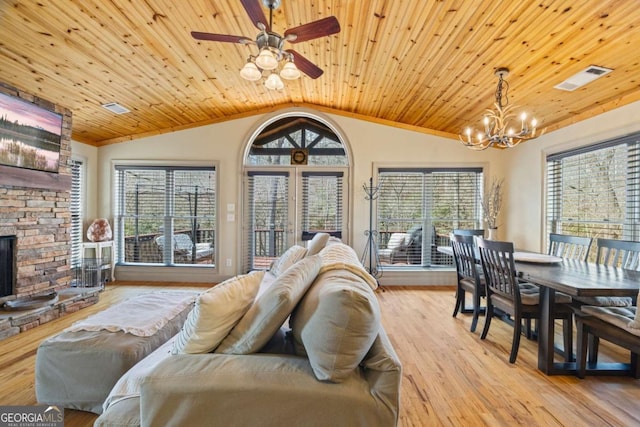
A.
pixel 78 367
pixel 614 324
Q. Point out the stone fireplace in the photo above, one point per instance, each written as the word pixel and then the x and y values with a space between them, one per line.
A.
pixel 35 228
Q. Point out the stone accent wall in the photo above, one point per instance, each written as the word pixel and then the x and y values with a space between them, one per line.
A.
pixel 38 215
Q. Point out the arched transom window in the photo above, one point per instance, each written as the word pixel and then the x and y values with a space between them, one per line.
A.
pixel 297 141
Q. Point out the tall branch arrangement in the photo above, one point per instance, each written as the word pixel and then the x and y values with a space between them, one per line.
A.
pixel 492 202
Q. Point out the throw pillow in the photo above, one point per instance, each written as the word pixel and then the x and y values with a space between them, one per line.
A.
pixel 271 309
pixel 216 312
pixel 292 255
pixel 635 323
pixel 318 243
pixel 335 324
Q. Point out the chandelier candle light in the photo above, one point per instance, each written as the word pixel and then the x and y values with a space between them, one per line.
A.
pixel 497 130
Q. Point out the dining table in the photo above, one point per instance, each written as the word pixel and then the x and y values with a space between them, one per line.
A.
pixel 576 279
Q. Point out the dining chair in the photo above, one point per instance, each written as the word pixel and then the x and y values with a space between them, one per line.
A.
pixel 469 278
pixel 617 253
pixel 469 232
pixel 570 247
pixel 520 300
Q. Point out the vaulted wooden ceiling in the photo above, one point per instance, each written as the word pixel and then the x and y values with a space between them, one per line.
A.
pixel 426 65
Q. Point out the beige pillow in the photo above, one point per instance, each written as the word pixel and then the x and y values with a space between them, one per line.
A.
pixel 271 309
pixel 318 243
pixel 292 255
pixel 335 324
pixel 216 312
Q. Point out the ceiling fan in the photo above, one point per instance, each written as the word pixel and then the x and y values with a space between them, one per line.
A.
pixel 271 44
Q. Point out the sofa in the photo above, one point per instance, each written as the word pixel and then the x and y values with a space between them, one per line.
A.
pixel 300 344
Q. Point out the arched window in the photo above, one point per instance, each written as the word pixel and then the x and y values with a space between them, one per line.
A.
pixel 297 140
pixel 296 175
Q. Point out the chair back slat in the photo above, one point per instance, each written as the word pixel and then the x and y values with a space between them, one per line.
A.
pixel 570 247
pixel 619 253
pixel 464 256
pixel 499 268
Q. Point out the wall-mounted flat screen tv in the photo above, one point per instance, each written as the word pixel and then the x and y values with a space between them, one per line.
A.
pixel 30 136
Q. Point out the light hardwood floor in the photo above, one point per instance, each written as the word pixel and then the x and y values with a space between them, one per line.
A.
pixel 450 377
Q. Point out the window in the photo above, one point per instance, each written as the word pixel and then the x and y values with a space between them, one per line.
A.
pixel 267 217
pixel 595 191
pixel 166 215
pixel 295 174
pixel 297 140
pixel 426 204
pixel 321 204
pixel 77 196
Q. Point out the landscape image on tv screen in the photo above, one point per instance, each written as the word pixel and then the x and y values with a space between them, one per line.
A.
pixel 29 135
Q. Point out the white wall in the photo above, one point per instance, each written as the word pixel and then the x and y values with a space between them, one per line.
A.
pixel 371 145
pixel 89 156
pixel 525 174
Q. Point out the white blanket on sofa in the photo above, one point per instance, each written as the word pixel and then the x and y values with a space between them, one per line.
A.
pixel 142 315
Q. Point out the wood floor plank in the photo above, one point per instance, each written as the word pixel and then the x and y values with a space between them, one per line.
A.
pixel 450 376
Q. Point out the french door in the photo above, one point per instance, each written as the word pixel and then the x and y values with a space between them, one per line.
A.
pixel 289 205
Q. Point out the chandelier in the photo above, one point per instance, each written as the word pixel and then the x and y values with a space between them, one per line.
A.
pixel 497 130
pixel 270 55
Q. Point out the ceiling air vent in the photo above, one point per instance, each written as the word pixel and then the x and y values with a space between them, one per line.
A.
pixel 583 77
pixel 114 107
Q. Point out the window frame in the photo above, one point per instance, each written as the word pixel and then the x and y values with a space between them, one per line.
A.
pixel 553 212
pixel 160 165
pixel 428 218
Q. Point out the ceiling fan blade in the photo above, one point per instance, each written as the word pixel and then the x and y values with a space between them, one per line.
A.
pixel 254 10
pixel 304 65
pixel 227 38
pixel 313 30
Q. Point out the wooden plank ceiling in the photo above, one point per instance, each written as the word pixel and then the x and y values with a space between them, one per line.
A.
pixel 426 65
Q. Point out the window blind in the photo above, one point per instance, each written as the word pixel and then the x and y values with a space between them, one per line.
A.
pixel 166 215
pixel 427 204
pixel 266 218
pixel 594 191
pixel 322 200
pixel 77 215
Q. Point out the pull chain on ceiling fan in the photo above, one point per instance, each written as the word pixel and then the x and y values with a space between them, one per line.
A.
pixel 270 45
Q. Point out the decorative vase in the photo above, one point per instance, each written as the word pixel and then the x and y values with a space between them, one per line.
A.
pixel 493 234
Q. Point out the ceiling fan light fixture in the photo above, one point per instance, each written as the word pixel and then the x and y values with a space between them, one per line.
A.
pixel 267 60
pixel 250 72
pixel 274 82
pixel 290 71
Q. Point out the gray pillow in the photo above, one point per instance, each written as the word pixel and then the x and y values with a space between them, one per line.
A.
pixel 335 324
pixel 271 309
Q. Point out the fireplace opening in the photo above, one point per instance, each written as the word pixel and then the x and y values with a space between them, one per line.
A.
pixel 7 265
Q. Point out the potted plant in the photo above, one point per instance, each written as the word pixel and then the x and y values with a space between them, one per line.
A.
pixel 491 205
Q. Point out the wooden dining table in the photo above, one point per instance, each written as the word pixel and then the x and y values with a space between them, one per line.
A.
pixel 577 279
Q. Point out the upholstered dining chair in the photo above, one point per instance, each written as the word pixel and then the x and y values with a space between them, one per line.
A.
pixel 570 247
pixel 618 253
pixel 469 278
pixel 519 300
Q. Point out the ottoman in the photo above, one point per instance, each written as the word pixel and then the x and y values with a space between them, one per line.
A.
pixel 78 368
